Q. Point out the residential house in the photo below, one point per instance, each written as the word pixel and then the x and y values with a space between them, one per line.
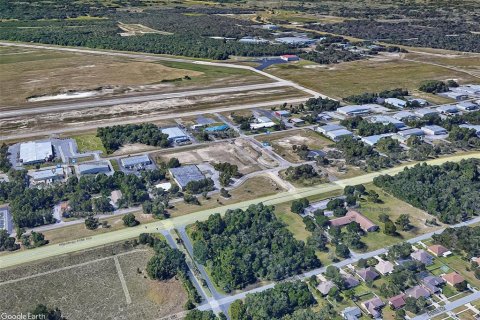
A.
pixel 422 256
pixel 453 278
pixel 373 306
pixel 325 287
pixel 354 216
pixel 397 301
pixel 351 313
pixel 417 292
pixel 367 274
pixel 432 283
pixel 384 267
pixel 439 250
pixel 350 281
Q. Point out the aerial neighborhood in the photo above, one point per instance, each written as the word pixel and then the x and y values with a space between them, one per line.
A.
pixel 240 160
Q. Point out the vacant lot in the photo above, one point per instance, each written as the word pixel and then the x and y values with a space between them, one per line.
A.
pixel 393 207
pixel 283 142
pixel 238 153
pixel 372 75
pixel 89 142
pixel 30 72
pixel 87 285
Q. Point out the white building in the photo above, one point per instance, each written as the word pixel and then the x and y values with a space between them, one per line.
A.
pixel 399 103
pixel 47 175
pixel 329 127
pixel 448 109
pixel 36 152
pixel 175 134
pixel 434 130
pixel 337 135
pixel 425 112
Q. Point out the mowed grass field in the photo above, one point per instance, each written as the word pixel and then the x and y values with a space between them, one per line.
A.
pixel 89 142
pixel 27 72
pixel 87 285
pixel 373 75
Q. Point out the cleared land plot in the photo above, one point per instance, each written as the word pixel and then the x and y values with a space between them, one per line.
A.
pixel 372 75
pixel 393 207
pixel 283 142
pixel 92 279
pixel 236 153
pixel 89 142
pixel 27 72
pixel 145 111
pixel 467 62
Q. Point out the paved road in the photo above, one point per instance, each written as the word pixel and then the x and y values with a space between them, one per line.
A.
pixel 450 306
pixel 21 257
pixel 79 105
pixel 228 300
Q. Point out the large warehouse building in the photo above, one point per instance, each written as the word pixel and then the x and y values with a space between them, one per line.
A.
pixel 185 174
pixel 36 152
pixel 136 161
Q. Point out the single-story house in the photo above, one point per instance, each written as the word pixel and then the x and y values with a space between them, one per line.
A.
pixel 373 306
pixel 432 283
pixel 417 292
pixel 397 301
pixel 422 256
pixel 325 287
pixel 384 267
pixel 434 130
pixel 354 216
pixel 350 281
pixel 296 121
pixel 439 250
pixel 453 278
pixel 115 196
pixel 351 313
pixel 367 274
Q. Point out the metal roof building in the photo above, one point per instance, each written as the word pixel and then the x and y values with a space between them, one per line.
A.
pixel 93 168
pixel 35 152
pixel 295 40
pixel 174 133
pixel 47 175
pixel 336 135
pixel 6 221
pixel 434 130
pixel 329 127
pixel 399 103
pixel 411 132
pixel 354 110
pixel 388 120
pixel 185 174
pixel 141 160
pixel 425 112
pixel 373 140
pixel 404 115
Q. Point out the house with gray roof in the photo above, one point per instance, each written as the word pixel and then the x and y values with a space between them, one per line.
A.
pixel 373 306
pixel 432 283
pixel 351 313
pixel 325 287
pixel 422 256
pixel 367 274
pixel 417 292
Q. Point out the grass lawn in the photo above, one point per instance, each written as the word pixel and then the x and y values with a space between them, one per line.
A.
pixel 342 80
pixel 89 142
pixel 449 291
pixel 393 207
pixel 456 263
pixel 293 221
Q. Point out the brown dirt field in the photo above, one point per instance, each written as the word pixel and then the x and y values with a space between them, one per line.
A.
pixel 86 285
pixel 220 152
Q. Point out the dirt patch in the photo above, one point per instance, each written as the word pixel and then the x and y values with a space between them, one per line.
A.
pixel 234 153
pixel 92 279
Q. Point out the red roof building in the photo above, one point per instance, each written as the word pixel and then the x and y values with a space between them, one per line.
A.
pixel 438 250
pixel 453 278
pixel 354 216
pixel 397 301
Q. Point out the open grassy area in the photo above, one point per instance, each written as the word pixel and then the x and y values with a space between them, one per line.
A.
pixel 293 221
pixel 27 72
pixel 89 142
pixel 371 75
pixel 283 142
pixel 87 285
pixel 393 207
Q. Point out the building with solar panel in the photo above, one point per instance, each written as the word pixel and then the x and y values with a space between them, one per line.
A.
pixel 185 174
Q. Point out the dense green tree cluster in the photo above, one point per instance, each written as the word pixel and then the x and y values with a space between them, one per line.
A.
pixel 434 33
pixel 403 277
pixel 4 162
pixel 247 246
pixel 227 172
pixel 200 315
pixel 331 55
pixel 276 303
pixel 147 133
pixel 7 243
pixel 449 191
pixel 321 104
pixel 433 86
pixel 463 239
pixel 464 137
pixel 369 97
pixel 33 207
pixel 365 128
pixel 301 172
pixel 200 186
